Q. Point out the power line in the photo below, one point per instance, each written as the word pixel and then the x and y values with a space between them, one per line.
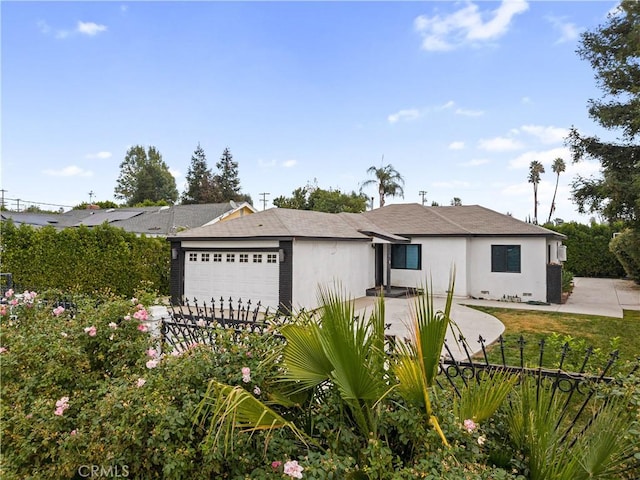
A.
pixel 423 194
pixel 264 199
pixel 30 202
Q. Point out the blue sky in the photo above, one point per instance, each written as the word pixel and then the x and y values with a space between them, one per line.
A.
pixel 458 96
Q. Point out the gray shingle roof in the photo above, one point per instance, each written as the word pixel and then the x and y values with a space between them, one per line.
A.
pixel 280 223
pixel 148 220
pixel 392 222
pixel 414 219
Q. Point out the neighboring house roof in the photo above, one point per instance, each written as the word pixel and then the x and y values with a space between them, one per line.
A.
pixel 391 223
pixel 157 221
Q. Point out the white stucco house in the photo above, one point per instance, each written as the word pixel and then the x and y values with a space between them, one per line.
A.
pixel 281 257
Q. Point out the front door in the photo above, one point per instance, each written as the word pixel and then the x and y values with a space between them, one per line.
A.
pixel 379 264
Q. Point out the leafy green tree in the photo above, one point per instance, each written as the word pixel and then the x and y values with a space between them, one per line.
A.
pixel 388 181
pixel 145 176
pixel 535 170
pixel 311 197
pixel 613 50
pixel 201 187
pixel 106 204
pixel 558 167
pixel 456 202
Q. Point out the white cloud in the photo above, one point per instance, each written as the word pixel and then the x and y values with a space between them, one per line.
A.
pixel 124 8
pixel 175 172
pixel 449 104
pixel 43 27
pixel 70 171
pixel 545 157
pixel 526 100
pixel 467 25
pixel 569 32
pixel 476 162
pixel 90 28
pixel 289 163
pixel 82 28
pixel 98 156
pixel 404 115
pixel 547 135
pixel 499 144
pixel 266 164
pixel 456 146
pixel 469 113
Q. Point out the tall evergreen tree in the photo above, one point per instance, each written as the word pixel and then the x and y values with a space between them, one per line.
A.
pixel 144 176
pixel 201 187
pixel 227 179
pixel 613 50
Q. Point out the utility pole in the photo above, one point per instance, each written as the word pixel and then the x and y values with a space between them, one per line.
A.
pixel 264 199
pixel 91 194
pixel 423 194
pixel 3 192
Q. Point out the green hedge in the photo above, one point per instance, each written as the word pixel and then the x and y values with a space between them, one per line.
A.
pixel 84 260
pixel 588 253
pixel 626 248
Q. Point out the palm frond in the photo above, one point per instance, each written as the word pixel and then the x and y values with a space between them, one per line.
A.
pixel 227 409
pixel 480 400
pixel 305 359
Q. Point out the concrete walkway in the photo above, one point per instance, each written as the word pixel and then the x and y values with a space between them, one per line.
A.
pixel 591 296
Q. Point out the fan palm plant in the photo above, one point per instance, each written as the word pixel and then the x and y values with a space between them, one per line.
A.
pixel 418 362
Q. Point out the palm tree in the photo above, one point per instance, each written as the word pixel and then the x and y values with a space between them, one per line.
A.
pixel 535 170
pixel 388 179
pixel 558 167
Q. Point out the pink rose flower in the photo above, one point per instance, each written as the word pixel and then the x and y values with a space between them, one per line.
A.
pixel 9 293
pixel 257 390
pixel 113 325
pixel 140 382
pixel 73 432
pixel 470 425
pixel 59 310
pixel 141 315
pixel 152 353
pixel 142 327
pixel 3 350
pixel 91 331
pixel 61 406
pixel 152 363
pixel 292 469
pixel 276 465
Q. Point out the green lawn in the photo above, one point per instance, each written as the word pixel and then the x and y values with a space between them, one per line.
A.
pixel 604 334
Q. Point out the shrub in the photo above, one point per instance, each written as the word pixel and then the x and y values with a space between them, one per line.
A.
pixel 588 253
pixel 626 248
pixel 84 260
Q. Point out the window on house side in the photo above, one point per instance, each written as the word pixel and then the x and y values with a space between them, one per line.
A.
pixel 205 257
pixel 231 257
pixel 217 257
pixel 505 258
pixel 257 258
pixel 244 258
pixel 272 258
pixel 193 257
pixel 408 257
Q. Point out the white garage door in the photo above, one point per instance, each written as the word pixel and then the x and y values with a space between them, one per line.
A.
pixel 236 275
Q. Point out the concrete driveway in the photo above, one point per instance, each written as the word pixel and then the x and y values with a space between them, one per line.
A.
pixel 591 296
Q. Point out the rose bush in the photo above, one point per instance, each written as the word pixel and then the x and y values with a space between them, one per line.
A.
pixel 85 385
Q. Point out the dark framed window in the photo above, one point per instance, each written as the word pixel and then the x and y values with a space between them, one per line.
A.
pixel 505 258
pixel 408 257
